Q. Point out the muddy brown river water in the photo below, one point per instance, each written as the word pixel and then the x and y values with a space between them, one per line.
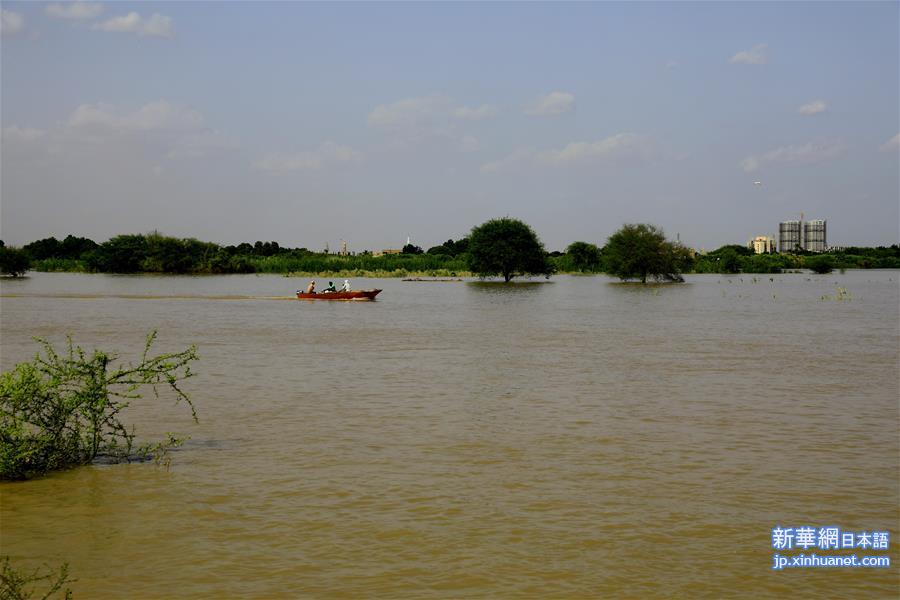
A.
pixel 576 438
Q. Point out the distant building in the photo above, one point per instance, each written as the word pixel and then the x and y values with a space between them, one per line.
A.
pixel 814 236
pixel 762 244
pixel 790 236
pixel 803 235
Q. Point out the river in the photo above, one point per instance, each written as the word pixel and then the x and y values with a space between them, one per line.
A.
pixel 571 438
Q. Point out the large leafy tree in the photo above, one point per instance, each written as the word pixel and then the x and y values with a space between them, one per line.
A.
pixel 506 247
pixel 640 251
pixel 584 256
pixel 451 248
pixel 13 261
pixel 41 249
pixel 72 247
pixel 120 254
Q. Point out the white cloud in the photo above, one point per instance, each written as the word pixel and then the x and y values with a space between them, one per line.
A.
pixel 891 145
pixel 73 10
pixel 127 23
pixel 200 144
pixel 520 155
pixel 469 143
pixel 329 153
pixel 90 115
pixel 621 146
pixel 757 55
pixel 813 108
pixel 750 164
pixel 475 113
pixel 156 25
pixel 806 154
pixel 180 131
pixel 22 134
pixel 410 112
pixel 554 103
pixel 416 120
pixel 11 22
pixel 157 115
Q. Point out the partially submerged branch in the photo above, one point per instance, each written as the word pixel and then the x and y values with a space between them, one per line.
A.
pixel 16 585
pixel 60 411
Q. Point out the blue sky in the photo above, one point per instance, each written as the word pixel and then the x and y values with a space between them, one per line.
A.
pixel 310 123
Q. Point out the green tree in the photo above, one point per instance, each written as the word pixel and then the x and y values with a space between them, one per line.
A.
pixel 450 248
pixel 728 261
pixel 584 256
pixel 819 264
pixel 639 251
pixel 13 261
pixel 41 249
pixel 736 248
pixel 165 255
pixel 121 254
pixel 506 247
pixel 764 263
pixel 74 247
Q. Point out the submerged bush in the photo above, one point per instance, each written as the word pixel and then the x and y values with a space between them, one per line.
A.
pixel 60 411
pixel 821 264
pixel 15 585
pixel 13 261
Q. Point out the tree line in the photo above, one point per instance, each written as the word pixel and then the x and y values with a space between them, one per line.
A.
pixel 636 251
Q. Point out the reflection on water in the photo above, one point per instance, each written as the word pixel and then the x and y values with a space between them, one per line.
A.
pixel 574 438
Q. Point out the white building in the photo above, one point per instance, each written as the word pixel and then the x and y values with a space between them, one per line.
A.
pixel 762 244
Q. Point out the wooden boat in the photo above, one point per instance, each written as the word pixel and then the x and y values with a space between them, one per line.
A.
pixel 351 295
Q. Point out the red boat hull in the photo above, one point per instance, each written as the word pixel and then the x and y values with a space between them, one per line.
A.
pixel 353 295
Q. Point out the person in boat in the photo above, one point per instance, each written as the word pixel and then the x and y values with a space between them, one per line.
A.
pixel 346 286
pixel 330 287
pixel 311 288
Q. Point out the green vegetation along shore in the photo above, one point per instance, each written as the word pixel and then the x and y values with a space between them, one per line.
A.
pixel 157 253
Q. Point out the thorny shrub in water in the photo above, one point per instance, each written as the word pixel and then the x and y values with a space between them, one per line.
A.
pixel 15 585
pixel 60 411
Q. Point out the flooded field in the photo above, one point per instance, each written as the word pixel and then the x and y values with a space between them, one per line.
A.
pixel 571 438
